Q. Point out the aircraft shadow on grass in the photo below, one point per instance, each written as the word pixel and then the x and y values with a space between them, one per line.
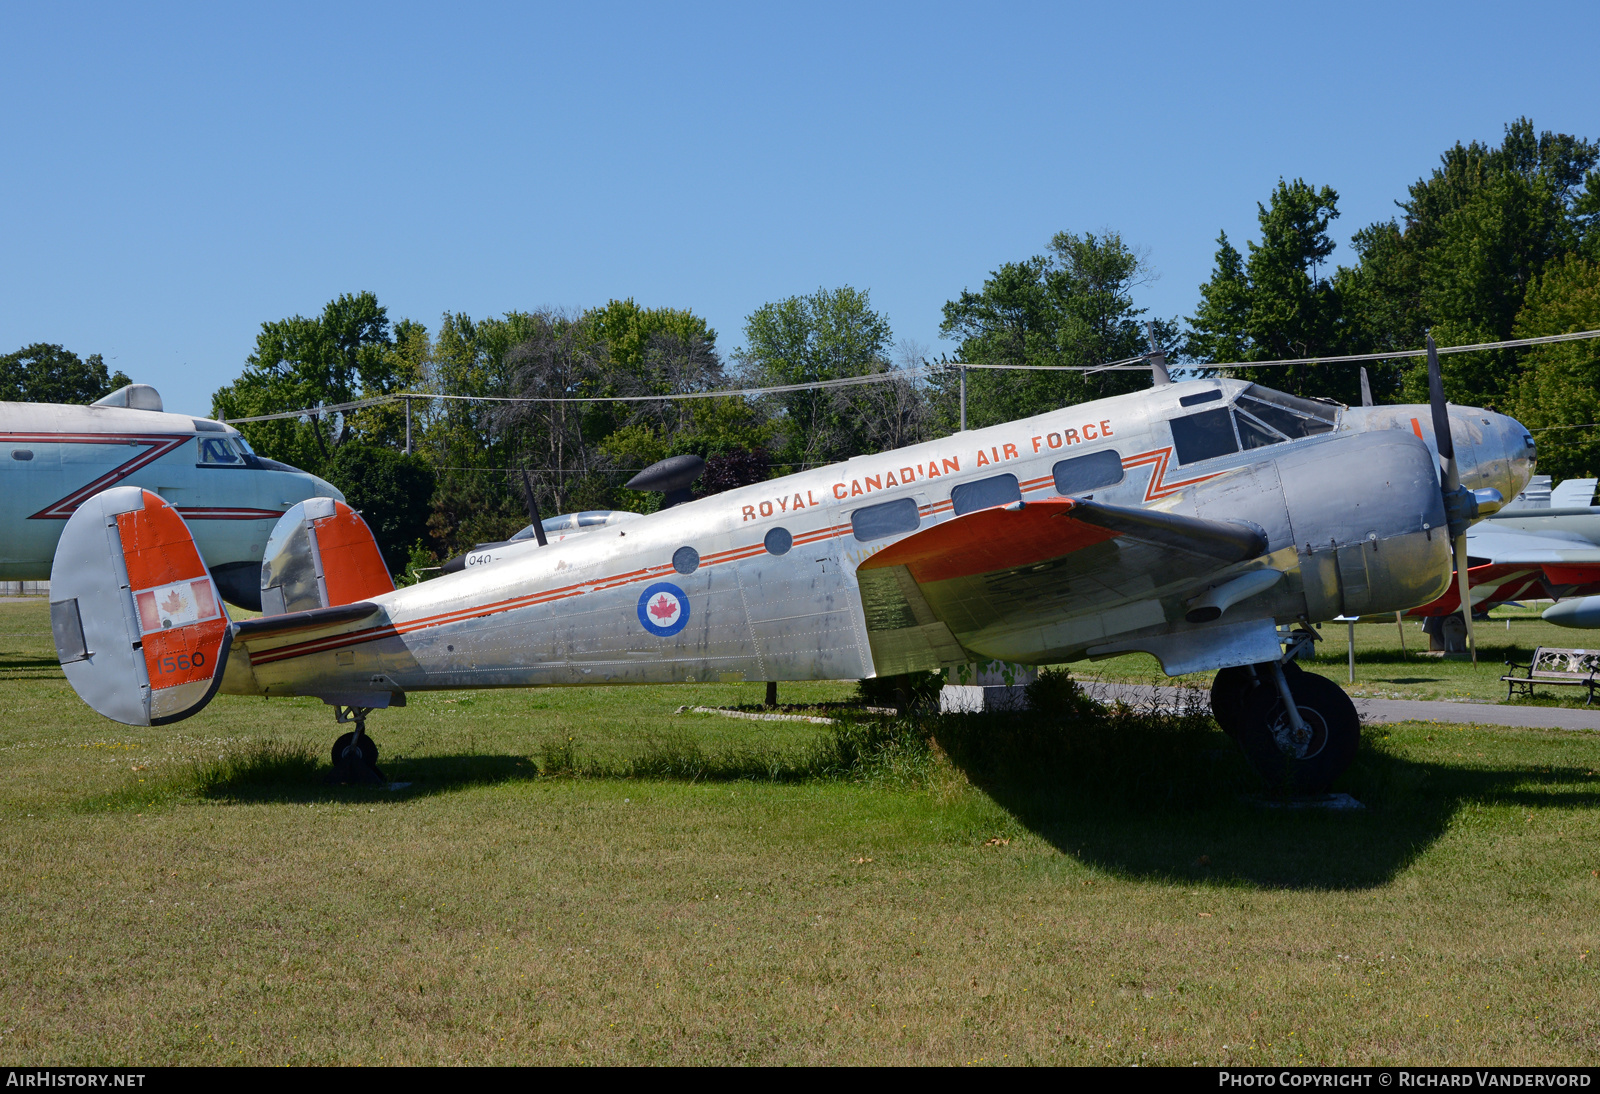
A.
pixel 1183 809
pixel 23 667
pixel 297 778
pixel 1232 833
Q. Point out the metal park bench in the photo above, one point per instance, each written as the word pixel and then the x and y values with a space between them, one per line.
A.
pixel 1564 668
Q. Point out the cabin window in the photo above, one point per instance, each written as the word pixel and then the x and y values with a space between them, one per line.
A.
pixel 778 541
pixel 1082 474
pixel 1204 436
pixel 1200 397
pixel 969 497
pixel 889 519
pixel 22 453
pixel 1288 414
pixel 217 452
pixel 686 560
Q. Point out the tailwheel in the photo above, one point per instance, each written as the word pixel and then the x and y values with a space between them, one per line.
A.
pixel 1307 758
pixel 355 755
pixel 1233 686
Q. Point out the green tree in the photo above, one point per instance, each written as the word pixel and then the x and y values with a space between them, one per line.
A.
pixel 1558 392
pixel 1277 303
pixel 657 351
pixel 391 490
pixel 48 373
pixel 344 354
pixel 1475 236
pixel 829 335
pixel 1073 306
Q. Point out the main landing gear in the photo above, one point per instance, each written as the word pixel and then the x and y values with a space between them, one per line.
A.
pixel 355 755
pixel 1299 730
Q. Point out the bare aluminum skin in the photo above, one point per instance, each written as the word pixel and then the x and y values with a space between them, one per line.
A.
pixel 1352 519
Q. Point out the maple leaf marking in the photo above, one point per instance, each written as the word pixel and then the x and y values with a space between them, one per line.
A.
pixel 664 609
pixel 173 604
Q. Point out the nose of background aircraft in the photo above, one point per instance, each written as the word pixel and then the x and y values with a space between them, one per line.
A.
pixel 321 488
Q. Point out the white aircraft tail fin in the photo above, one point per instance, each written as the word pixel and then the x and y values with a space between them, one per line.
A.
pixel 138 623
pixel 321 554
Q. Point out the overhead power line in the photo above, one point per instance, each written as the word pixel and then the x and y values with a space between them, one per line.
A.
pixel 1125 365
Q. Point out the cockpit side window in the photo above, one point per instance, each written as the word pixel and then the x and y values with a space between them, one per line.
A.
pixel 219 452
pixel 1204 436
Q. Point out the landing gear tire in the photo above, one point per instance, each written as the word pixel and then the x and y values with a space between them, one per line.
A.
pixel 1328 748
pixel 357 765
pixel 1233 687
pixel 367 751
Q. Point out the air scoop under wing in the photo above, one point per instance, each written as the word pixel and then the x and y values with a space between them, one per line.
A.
pixel 1036 580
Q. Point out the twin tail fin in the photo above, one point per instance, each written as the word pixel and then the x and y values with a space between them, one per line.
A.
pixel 139 626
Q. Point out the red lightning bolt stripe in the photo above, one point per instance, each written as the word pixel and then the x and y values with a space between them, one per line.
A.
pixel 159 444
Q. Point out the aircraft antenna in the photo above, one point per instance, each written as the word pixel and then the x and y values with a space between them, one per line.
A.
pixel 1366 388
pixel 1157 358
pixel 533 507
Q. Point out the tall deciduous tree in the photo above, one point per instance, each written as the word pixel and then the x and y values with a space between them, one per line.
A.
pixel 829 335
pixel 342 355
pixel 49 373
pixel 1072 306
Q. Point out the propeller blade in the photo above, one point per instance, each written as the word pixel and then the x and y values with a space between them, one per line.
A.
pixel 1459 549
pixel 1441 420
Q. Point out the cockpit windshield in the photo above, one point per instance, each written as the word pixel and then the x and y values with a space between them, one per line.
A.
pixel 222 451
pixel 1288 415
pixel 1258 417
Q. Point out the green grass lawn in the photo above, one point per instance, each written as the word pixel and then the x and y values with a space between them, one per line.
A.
pixel 194 894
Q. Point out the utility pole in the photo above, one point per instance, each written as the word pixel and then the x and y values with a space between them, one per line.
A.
pixel 963 398
pixel 408 423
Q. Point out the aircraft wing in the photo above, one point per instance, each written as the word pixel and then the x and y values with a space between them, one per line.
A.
pixel 962 590
pixel 1509 548
pixel 1513 564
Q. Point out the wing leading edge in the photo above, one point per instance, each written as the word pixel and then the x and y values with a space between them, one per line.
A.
pixel 1034 580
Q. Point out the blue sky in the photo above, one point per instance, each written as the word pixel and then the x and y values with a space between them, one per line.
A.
pixel 175 175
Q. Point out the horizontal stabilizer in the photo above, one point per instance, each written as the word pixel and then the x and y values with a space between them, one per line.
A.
pixel 321 554
pixel 271 626
pixel 138 623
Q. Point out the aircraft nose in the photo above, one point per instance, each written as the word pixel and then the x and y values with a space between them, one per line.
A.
pixel 1503 457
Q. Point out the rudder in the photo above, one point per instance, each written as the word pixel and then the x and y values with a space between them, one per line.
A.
pixel 138 623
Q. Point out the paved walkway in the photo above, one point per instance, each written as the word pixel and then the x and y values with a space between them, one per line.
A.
pixel 1377 711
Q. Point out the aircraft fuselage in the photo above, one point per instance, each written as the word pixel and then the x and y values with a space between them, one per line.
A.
pixel 761 583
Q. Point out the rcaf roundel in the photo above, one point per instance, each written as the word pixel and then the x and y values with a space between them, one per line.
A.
pixel 663 609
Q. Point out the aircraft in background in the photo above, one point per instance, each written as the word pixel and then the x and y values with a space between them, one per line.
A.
pixel 1545 545
pixel 1207 522
pixel 54 457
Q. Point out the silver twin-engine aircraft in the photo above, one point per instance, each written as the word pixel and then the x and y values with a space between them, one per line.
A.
pixel 54 457
pixel 1206 522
